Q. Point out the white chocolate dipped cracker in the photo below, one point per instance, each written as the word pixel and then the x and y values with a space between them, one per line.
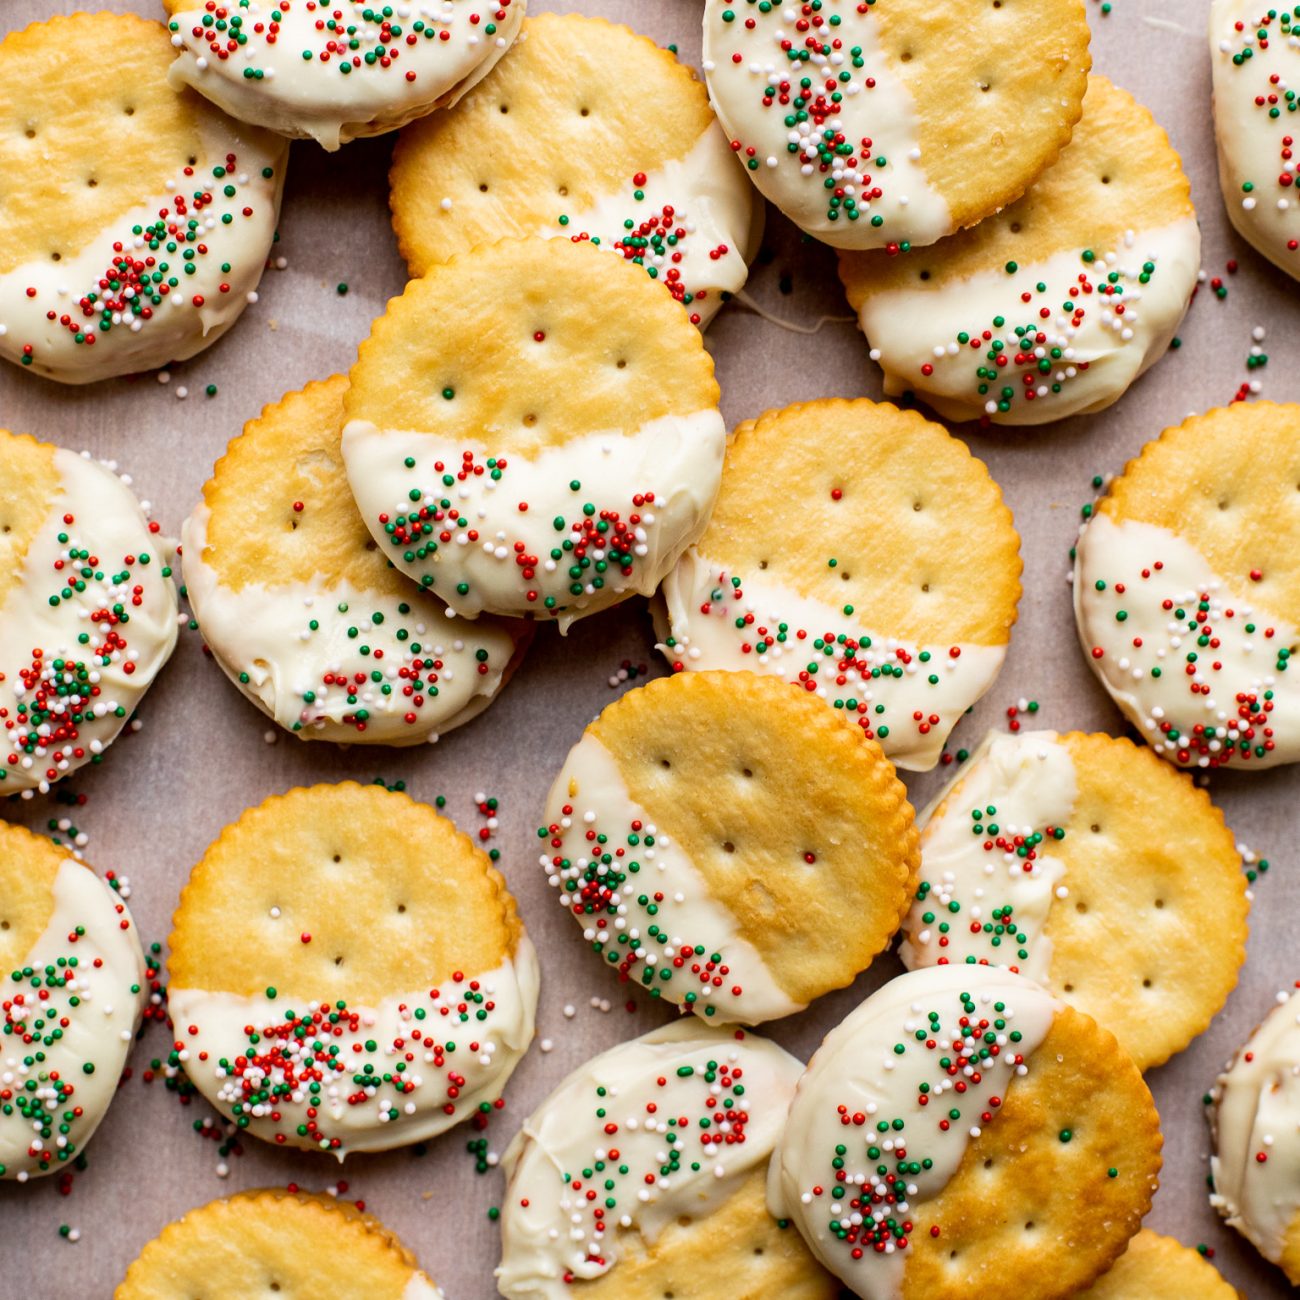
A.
pixel 861 553
pixel 727 843
pixel 533 430
pixel 348 972
pixel 1255 50
pixel 1255 1117
pixel 659 188
pixel 73 994
pixel 947 1132
pixel 1187 589
pixel 673 1131
pixel 890 123
pixel 1055 306
pixel 88 610
pixel 1041 851
pixel 137 218
pixel 337 71
pixel 305 616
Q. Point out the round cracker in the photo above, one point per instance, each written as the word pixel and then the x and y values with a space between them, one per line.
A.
pixel 587 134
pixel 1160 1268
pixel 1150 844
pixel 576 88
pixel 1117 202
pixel 986 96
pixel 129 140
pixel 1229 482
pixel 288 455
pixel 392 895
pixel 588 383
pixel 704 1228
pixel 291 591
pixel 1015 1200
pixel 75 166
pixel 792 823
pixel 989 1112
pixel 295 1244
pixel 348 973
pixel 1140 841
pixel 897 533
pixel 469 327
pixel 1187 588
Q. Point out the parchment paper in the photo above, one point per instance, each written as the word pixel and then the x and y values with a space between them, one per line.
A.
pixel 202 755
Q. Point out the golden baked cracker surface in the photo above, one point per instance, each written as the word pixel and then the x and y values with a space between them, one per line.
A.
pixel 925 548
pixel 736 1250
pixel 1153 933
pixel 393 896
pixel 1160 1268
pixel 298 1245
pixel 998 88
pixel 615 351
pixel 1228 482
pixel 1026 1208
pixel 79 149
pixel 577 108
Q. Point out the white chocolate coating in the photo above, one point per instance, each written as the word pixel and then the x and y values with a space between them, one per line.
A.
pixel 612 1115
pixel 305 676
pixel 108 986
pixel 1256 1112
pixel 859 1080
pixel 1255 53
pixel 351 1113
pixel 659 483
pixel 855 682
pixel 44 735
pixel 1247 709
pixel 792 165
pixel 703 202
pixel 1096 340
pixel 648 938
pixel 224 236
pixel 1025 785
pixel 383 73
